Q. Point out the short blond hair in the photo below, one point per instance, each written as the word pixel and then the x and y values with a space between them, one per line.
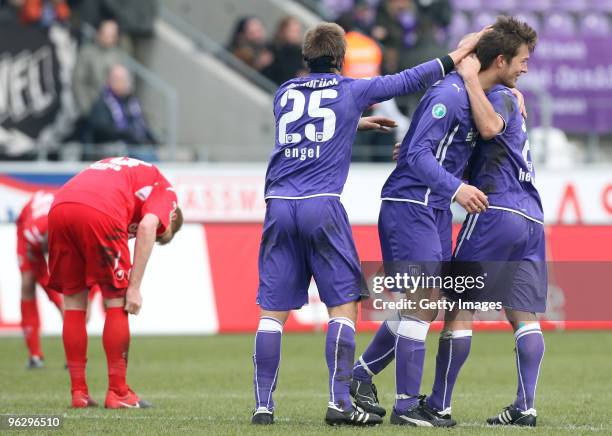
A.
pixel 325 39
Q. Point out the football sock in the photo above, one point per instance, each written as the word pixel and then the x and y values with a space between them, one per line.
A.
pixel 340 353
pixel 266 360
pixel 30 323
pixel 410 357
pixel 379 353
pixel 75 345
pixel 453 350
pixel 116 340
pixel 529 354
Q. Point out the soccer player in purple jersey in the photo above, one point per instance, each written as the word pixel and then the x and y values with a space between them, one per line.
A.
pixel 508 240
pixel 415 222
pixel 306 230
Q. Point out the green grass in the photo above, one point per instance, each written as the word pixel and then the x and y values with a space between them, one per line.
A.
pixel 203 385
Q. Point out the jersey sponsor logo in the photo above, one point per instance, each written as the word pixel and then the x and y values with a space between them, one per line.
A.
pixel 471 137
pixel 118 163
pixel 438 111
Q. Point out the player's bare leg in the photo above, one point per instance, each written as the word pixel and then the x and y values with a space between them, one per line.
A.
pixel 453 350
pixel 75 345
pixel 266 362
pixel 529 349
pixel 30 321
pixel 116 340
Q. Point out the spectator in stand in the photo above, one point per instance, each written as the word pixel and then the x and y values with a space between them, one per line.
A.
pixel 44 12
pixel 287 52
pixel 93 64
pixel 395 28
pixel 136 20
pixel 248 43
pixel 9 10
pixel 117 115
pixel 363 54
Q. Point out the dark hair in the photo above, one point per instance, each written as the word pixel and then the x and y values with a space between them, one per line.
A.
pixel 239 29
pixel 505 38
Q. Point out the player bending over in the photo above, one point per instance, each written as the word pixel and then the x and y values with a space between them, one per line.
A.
pixel 415 222
pixel 306 230
pixel 31 251
pixel 508 240
pixel 93 216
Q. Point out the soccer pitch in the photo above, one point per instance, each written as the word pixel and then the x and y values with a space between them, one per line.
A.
pixel 203 385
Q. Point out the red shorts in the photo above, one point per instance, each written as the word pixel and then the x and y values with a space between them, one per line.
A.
pixel 87 248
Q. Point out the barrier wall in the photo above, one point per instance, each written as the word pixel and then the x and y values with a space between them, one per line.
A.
pixel 205 281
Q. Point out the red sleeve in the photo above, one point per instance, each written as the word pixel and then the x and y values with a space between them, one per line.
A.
pixel 161 203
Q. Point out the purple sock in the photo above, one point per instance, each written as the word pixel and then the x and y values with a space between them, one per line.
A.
pixel 410 357
pixel 453 350
pixel 340 353
pixel 266 360
pixel 529 354
pixel 379 353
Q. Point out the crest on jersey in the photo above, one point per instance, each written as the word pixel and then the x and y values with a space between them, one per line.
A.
pixel 438 111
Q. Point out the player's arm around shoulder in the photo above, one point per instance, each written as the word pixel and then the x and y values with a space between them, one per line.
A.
pixel 488 122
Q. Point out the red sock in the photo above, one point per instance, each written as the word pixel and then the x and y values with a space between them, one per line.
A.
pixel 75 345
pixel 55 298
pixel 116 340
pixel 30 323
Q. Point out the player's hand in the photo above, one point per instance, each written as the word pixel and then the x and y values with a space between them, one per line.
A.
pixel 133 301
pixel 521 101
pixel 469 67
pixel 382 124
pixel 472 199
pixel 396 149
pixel 469 41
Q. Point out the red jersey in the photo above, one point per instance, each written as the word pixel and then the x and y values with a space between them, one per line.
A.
pixel 32 222
pixel 32 225
pixel 123 188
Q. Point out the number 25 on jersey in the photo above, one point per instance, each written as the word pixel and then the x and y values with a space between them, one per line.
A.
pixel 314 111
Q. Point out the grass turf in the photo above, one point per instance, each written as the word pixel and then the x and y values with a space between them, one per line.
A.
pixel 203 385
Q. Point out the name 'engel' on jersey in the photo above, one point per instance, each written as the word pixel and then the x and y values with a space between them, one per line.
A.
pixel 316 120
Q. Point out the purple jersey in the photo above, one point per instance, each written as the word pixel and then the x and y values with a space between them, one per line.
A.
pixel 316 120
pixel 502 167
pixel 435 151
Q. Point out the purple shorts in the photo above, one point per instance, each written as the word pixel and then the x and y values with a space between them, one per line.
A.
pixel 511 250
pixel 304 239
pixel 414 235
pixel 413 232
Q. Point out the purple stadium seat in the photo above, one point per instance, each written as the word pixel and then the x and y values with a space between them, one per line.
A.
pixel 530 18
pixel 458 28
pixel 571 5
pixel 503 5
pixel 483 19
pixel 466 5
pixel 536 6
pixel 601 5
pixel 335 8
pixel 594 24
pixel 559 23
